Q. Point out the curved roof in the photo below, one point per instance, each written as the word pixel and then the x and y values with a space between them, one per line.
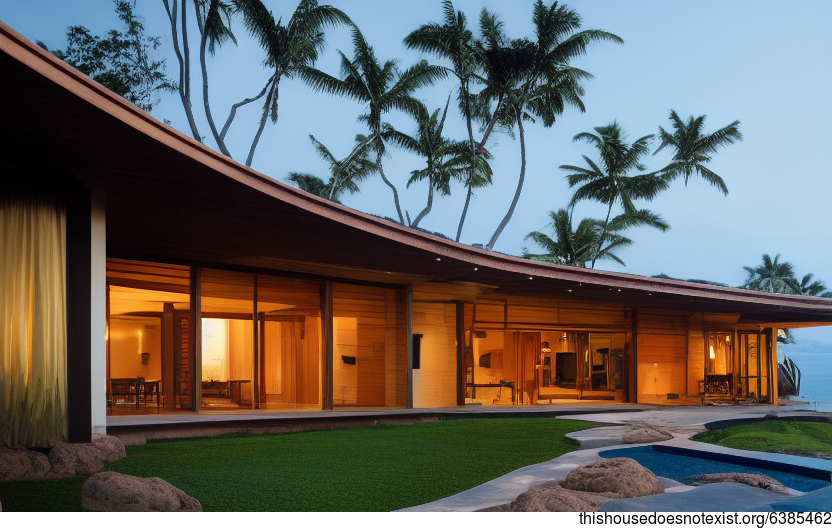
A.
pixel 170 197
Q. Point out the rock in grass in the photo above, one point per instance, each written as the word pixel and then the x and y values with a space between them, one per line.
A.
pixel 749 479
pixel 22 464
pixel 552 497
pixel 85 459
pixel 113 492
pixel 622 476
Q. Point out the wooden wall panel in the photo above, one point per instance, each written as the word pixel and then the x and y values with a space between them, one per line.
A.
pixel 662 353
pixel 434 384
pixel 492 313
pixel 696 360
pixel 379 377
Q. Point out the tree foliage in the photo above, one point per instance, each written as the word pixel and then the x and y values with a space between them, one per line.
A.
pixel 122 60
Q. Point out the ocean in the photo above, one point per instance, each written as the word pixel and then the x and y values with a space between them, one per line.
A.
pixel 814 359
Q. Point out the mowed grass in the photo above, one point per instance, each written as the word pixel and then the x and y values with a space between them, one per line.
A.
pixel 774 436
pixel 379 468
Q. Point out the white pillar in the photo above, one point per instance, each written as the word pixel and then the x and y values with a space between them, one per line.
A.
pixel 98 307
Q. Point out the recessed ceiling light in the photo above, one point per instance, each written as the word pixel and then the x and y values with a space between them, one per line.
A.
pixel 570 291
pixel 530 278
pixel 437 258
pixel 475 269
pixel 619 289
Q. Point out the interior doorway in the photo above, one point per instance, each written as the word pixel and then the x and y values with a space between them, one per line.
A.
pixel 754 366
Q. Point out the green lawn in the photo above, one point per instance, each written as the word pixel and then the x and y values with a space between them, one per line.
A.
pixel 776 436
pixel 379 468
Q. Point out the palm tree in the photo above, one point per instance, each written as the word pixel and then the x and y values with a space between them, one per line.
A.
pixel 455 42
pixel 693 149
pixel 534 78
pixel 382 87
pixel 214 22
pixel 809 287
pixel 289 48
pixel 609 182
pixel 772 276
pixel 576 248
pixel 569 247
pixel 343 173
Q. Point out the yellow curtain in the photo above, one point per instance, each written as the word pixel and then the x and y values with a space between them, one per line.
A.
pixel 32 321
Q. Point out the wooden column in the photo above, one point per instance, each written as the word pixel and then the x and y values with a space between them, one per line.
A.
pixel 632 397
pixel 409 334
pixel 168 357
pixel 78 312
pixel 196 335
pixel 460 353
pixel 255 350
pixel 328 345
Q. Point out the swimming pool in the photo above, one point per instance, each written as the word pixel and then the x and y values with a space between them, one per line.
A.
pixel 682 464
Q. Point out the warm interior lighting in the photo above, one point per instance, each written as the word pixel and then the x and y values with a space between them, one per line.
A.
pixel 713 356
pixel 728 339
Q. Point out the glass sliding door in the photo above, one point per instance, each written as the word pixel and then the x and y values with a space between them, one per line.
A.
pixel 227 340
pixel 289 319
pixel 149 349
pixel 754 366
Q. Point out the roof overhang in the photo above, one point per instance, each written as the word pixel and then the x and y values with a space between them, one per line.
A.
pixel 170 197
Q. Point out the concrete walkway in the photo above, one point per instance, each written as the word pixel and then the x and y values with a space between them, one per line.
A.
pixel 681 422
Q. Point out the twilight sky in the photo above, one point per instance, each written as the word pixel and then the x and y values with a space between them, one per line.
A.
pixel 766 63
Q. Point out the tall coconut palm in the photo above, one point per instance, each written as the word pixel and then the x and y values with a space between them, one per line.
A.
pixel 344 174
pixel 609 182
pixel 693 149
pixel 289 48
pixel 214 22
pixel 535 79
pixel 771 276
pixel 382 87
pixel 453 41
pixel 445 160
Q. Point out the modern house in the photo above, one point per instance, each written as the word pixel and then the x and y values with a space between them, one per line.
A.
pixel 144 272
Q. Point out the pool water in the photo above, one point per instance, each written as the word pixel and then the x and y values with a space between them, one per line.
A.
pixel 683 464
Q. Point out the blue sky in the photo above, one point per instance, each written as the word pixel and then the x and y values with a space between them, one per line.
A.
pixel 766 63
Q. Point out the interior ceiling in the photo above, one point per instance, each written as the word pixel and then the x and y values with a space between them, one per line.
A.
pixel 171 200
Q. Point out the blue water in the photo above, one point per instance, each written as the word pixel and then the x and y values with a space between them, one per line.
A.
pixel 814 359
pixel 681 468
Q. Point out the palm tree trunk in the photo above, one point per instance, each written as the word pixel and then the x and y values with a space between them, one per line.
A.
pixel 184 65
pixel 427 209
pixel 510 213
pixel 603 235
pixel 465 94
pixel 217 137
pixel 234 108
pixel 263 118
pixel 488 131
pixel 393 187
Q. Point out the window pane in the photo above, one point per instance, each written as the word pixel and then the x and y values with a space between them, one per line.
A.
pixel 289 315
pixel 227 340
pixel 149 350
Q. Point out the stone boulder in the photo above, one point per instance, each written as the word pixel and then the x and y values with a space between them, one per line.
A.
pixel 113 492
pixel 624 477
pixel 84 459
pixel 645 434
pixel 749 479
pixel 552 497
pixel 22 464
